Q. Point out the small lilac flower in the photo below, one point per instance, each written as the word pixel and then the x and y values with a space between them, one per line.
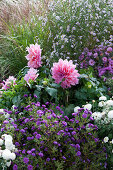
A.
pixel 29 167
pixel 91 62
pixel 29 152
pixel 5 122
pixel 78 153
pixel 15 167
pixel 55 142
pixel 40 154
pixel 38 136
pixel 104 59
pixel 48 159
pixel 25 95
pixel 84 115
pixel 64 123
pixel 77 146
pixel 73 133
pixel 77 121
pixel 26 160
pixel 109 50
pixel 22 131
pixel 64 157
pixel 54 159
pixel 95 55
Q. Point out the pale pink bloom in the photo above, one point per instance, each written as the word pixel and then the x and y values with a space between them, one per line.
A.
pixel 64 72
pixel 109 50
pixel 31 75
pixel 34 56
pixel 10 81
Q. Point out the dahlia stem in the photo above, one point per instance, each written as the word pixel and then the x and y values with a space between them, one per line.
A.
pixel 67 97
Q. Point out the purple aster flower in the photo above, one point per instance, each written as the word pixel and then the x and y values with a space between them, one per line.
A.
pixel 84 115
pixel 77 121
pixel 25 95
pixel 40 154
pixel 5 122
pixel 81 57
pixel 35 96
pixel 89 54
pixel 78 153
pixel 104 59
pixel 63 157
pixel 29 152
pixel 64 123
pixel 29 167
pixel 17 144
pixel 15 167
pixel 22 131
pixel 23 151
pixel 26 160
pixel 9 112
pixel 109 50
pixel 54 159
pixel 73 133
pixel 38 136
pixel 33 149
pixel 48 159
pixel 55 142
pixel 33 154
pixel 95 55
pixel 77 146
pixel 91 62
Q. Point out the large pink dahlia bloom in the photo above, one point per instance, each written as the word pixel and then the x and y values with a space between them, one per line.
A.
pixel 34 56
pixel 64 72
pixel 31 75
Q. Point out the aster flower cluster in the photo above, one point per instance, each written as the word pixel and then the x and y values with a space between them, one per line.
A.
pixel 46 138
pixel 100 59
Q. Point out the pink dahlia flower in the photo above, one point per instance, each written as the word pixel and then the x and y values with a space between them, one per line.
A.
pixel 34 56
pixel 31 75
pixel 64 72
pixel 7 84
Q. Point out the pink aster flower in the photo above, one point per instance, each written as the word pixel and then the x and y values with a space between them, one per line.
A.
pixel 7 84
pixel 31 75
pixel 34 56
pixel 64 72
pixel 109 50
pixel 91 62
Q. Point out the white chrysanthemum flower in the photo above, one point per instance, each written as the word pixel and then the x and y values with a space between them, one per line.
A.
pixel 103 98
pixel 2 110
pixel 101 104
pixel 1 142
pixel 88 106
pixel 97 115
pixel 1 151
pixel 7 115
pixel 13 156
pixel 6 154
pixel 112 141
pixel 110 114
pixel 8 163
pixel 8 137
pixel 76 109
pixel 109 102
pixel 106 139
